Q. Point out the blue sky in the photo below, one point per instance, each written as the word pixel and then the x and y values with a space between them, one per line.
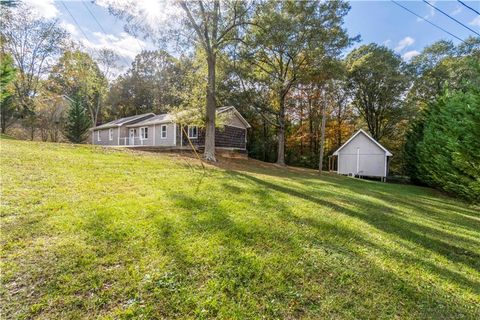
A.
pixel 382 22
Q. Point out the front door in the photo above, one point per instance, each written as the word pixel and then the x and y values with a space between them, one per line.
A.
pixel 131 140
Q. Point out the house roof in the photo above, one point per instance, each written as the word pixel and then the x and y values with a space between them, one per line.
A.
pixel 388 153
pixel 235 111
pixel 167 118
pixel 122 121
pixel 161 118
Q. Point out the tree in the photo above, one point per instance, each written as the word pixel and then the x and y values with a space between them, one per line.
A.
pixel 20 29
pixel 78 122
pixel 107 61
pixel 287 39
pixel 7 76
pixel 207 24
pixel 76 74
pixel 215 24
pixel 377 82
pixel 444 144
pixel 439 65
pixel 154 83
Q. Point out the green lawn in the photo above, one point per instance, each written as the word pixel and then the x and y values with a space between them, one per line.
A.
pixel 94 233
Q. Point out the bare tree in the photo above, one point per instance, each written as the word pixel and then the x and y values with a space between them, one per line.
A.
pixel 107 62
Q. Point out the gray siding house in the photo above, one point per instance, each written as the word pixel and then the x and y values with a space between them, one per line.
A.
pixel 362 155
pixel 150 130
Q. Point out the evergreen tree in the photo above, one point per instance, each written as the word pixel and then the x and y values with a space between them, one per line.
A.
pixel 78 122
pixel 7 76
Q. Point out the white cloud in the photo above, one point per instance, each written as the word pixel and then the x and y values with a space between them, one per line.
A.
pixel 404 43
pixel 456 11
pixel 410 54
pixel 44 8
pixel 476 21
pixel 387 42
pixel 124 44
pixel 431 12
pixel 70 28
pixel 154 13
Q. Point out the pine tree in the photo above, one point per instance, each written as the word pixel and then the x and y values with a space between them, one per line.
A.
pixel 78 122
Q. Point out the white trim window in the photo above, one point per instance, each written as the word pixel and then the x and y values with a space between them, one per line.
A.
pixel 192 132
pixel 98 135
pixel 110 134
pixel 163 131
pixel 143 133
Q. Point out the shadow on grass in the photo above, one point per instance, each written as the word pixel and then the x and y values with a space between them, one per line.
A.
pixel 235 270
pixel 389 223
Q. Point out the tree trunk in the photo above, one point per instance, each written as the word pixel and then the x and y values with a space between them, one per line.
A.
pixel 322 136
pixel 264 140
pixel 209 153
pixel 3 121
pixel 281 132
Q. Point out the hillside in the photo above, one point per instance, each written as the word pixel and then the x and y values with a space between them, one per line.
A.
pixel 94 233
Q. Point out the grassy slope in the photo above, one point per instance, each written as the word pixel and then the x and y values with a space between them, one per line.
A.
pixel 93 233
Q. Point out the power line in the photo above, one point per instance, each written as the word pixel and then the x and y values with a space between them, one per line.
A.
pixel 101 27
pixel 446 14
pixel 74 20
pixel 93 16
pixel 84 34
pixel 433 24
pixel 466 5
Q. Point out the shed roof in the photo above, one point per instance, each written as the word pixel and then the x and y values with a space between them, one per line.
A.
pixel 388 153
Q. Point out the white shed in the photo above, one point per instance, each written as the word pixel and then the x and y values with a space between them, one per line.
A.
pixel 361 156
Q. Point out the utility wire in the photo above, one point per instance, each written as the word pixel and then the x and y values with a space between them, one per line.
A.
pixel 100 25
pixel 433 24
pixel 446 14
pixel 466 5
pixel 93 16
pixel 74 20
pixel 81 29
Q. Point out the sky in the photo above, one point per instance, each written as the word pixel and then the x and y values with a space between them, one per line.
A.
pixel 382 22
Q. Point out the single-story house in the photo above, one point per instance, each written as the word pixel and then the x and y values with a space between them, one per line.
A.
pixel 362 156
pixel 150 130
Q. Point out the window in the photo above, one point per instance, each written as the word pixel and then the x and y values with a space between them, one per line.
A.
pixel 192 132
pixel 110 134
pixel 163 131
pixel 98 135
pixel 144 133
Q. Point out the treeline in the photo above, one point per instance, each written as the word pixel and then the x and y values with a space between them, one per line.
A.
pixel 281 64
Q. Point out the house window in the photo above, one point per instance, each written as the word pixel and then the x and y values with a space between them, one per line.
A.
pixel 98 135
pixel 110 134
pixel 192 132
pixel 144 133
pixel 163 131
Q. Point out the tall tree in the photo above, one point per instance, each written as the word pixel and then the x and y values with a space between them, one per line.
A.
pixel 207 24
pixel 215 24
pixel 377 83
pixel 286 40
pixel 76 74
